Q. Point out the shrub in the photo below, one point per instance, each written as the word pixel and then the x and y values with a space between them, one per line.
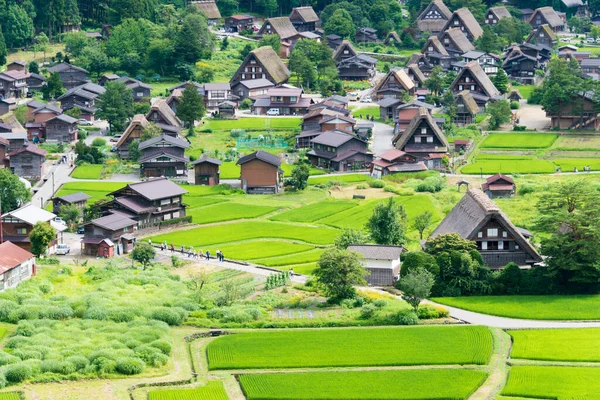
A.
pixel 25 328
pixel 56 312
pixel 526 189
pixel 431 312
pixel 2 380
pixel 79 362
pixel 6 306
pixel 514 105
pixel 45 287
pixel 380 303
pixel 130 366
pixel 103 365
pixel 122 314
pixel 406 317
pixel 172 316
pixel 96 313
pixel 368 311
pixel 377 184
pixel 16 373
pixel 362 186
pixel 236 133
pixel 164 346
pixel 28 354
pixel 6 358
pixel 99 142
pixel 151 355
pixel 58 367
pixel 432 184
pixel 245 104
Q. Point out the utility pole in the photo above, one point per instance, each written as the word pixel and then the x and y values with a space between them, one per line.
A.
pixel 41 202
pixel 52 183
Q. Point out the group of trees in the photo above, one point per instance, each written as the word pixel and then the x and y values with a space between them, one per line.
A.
pixel 314 67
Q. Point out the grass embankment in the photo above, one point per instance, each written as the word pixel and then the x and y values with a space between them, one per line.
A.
pixel 87 172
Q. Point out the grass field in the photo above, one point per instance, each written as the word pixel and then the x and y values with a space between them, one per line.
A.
pixel 525 90
pixel 448 384
pixel 262 248
pixel 518 140
pixel 350 178
pixel 255 124
pixel 314 212
pixel 561 383
pixel 568 165
pixel 248 230
pixel 304 257
pixel 577 143
pixel 9 396
pixel 509 165
pixel 159 88
pixel 372 111
pixel 435 345
pixel 548 344
pixel 212 391
pixel 560 307
pixel 197 201
pixel 98 190
pixel 87 172
pixel 227 211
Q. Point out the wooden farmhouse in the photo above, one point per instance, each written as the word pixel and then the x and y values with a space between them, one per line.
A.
pixel 280 26
pixel 499 186
pixel 333 41
pixel 339 151
pixel 543 36
pixel 4 143
pixel 546 16
pixel 304 19
pixel 133 132
pixel 360 67
pixel 101 235
pixel 396 84
pixel 580 112
pixel 77 199
pixel 520 66
pixel 366 35
pixel 424 140
pixel 261 63
pixel 16 265
pixel 489 62
pixel 436 54
pixel 394 161
pixel 404 114
pixel 455 42
pixel 383 262
pixel 18 224
pixel 35 82
pixel 475 217
pixel 392 39
pixel 260 173
pixel 421 61
pixel 61 129
pixel 28 162
pixel 209 9
pixel 466 108
pixel 466 22
pixel 70 75
pixel 344 51
pixel 163 156
pixel 434 17
pixel 239 22
pixel 84 98
pixel 494 14
pixel 416 75
pixel 515 95
pixel 473 79
pixel 206 171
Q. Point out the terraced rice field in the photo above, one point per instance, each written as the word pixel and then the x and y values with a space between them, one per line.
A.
pixel 213 390
pixel 578 143
pixel 88 172
pixel 569 164
pixel 248 230
pixel 350 178
pixel 447 384
pixel 227 212
pixel 509 165
pixel 291 259
pixel 549 344
pixel 262 249
pixel 432 345
pixel 253 124
pixel 518 141
pixel 9 396
pixel 561 383
pixel 200 201
pixel 314 212
pixel 559 307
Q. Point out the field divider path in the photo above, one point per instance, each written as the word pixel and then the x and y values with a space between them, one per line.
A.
pixel 497 367
pixel 350 369
pixel 544 363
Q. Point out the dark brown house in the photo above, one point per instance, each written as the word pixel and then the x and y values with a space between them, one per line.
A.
pixel 394 161
pixel 520 66
pixel 304 19
pixel 261 63
pixel 83 97
pixel 475 80
pixel 494 14
pixel 35 82
pixel 280 26
pixel 344 51
pixel 455 42
pixel 434 17
pixel 78 199
pixel 416 75
pixel 141 91
pixel 239 22
pixel 162 115
pixel 424 140
pixel 396 84
pixel 149 202
pixel 479 219
pixel 466 22
pixel 28 162
pixel 339 151
pixel 209 9
pixel 436 54
pixel 114 229
pixel 133 132
pixel 499 186
pixel 61 129
pixel 260 173
pixel 13 83
pixel 546 15
pixel 466 108
pixel 17 65
pixel 163 156
pixel 360 67
pixel 579 113
pixel 206 171
pixel 366 35
pixel 543 36
pixel 70 75
pixel 289 101
pixel 18 224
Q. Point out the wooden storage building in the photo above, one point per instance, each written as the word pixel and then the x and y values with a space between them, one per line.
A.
pixel 207 171
pixel 260 173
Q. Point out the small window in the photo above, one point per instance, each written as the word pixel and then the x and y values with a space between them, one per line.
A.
pixel 504 234
pixel 430 48
pixel 21 231
pixel 479 234
pixel 472 87
pixel 456 22
pixel 492 232
pixel 500 245
pixel 423 131
pixel 516 247
pixel 417 139
pixel 346 52
pixel 429 139
pixel 446 40
pixel 467 79
pixel 494 21
pixel 483 245
pixel 460 87
pixel 541 34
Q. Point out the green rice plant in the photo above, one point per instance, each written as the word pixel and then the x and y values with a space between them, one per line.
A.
pixel 549 344
pixel 211 235
pixel 229 170
pixel 213 390
pixel 509 166
pixel 98 190
pixel 364 111
pixel 314 212
pixel 198 201
pixel 291 259
pixel 348 178
pixel 448 384
pixel 561 383
pixel 551 307
pixel 518 141
pixel 9 396
pixel 88 171
pixel 253 124
pixel 227 212
pixel 261 249
pixel 430 345
pixel 570 164
pixel 304 269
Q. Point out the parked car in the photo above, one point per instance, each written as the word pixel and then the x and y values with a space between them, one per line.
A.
pixel 221 37
pixel 80 230
pixel 84 122
pixel 353 96
pixel 62 249
pixel 273 111
pixel 365 99
pixel 115 138
pixel 591 40
pixel 59 220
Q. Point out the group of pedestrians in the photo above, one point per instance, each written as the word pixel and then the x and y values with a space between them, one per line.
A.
pixel 190 251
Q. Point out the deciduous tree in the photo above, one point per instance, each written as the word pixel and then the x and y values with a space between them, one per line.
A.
pixel 270 40
pixel 71 214
pixel 350 236
pixel 144 254
pixel 386 225
pixel 40 237
pixel 300 175
pixel 500 113
pixel 340 23
pixel 422 222
pixel 150 131
pixel 338 270
pixel 194 42
pixel 416 286
pixel 13 192
pixel 115 105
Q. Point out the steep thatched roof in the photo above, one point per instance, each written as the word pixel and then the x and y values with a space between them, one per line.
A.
pixel 515 95
pixel 137 120
pixel 468 20
pixel 468 100
pixel 459 39
pixel 422 115
pixel 500 12
pixel 270 61
pixel 306 14
pixel 545 29
pixel 282 26
pixel 208 8
pixel 480 76
pixel 549 15
pixel 160 106
pixel 437 46
pixel 432 24
pixel 471 214
pixel 345 45
pixel 416 71
pixel 392 37
pixel 400 75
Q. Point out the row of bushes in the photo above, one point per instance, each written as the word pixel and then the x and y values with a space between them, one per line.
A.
pixel 173 221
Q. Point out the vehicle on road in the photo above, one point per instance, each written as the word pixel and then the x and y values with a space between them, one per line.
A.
pixel 84 122
pixel 365 99
pixel 80 230
pixel 115 138
pixel 273 111
pixel 59 220
pixel 353 96
pixel 62 249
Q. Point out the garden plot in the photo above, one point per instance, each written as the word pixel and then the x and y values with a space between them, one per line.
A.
pixel 433 345
pixel 561 383
pixel 549 345
pixel 559 307
pixel 213 390
pixel 88 171
pixel 447 384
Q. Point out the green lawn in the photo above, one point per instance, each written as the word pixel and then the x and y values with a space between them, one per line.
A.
pixel 448 384
pixel 98 190
pixel 88 171
pixel 559 307
pixel 211 235
pixel 518 140
pixel 549 344
pixel 347 178
pixel 561 383
pixel 159 88
pixel 297 258
pixel 371 111
pixel 569 164
pixel 213 390
pixel 509 165
pixel 227 211
pixel 198 201
pixel 314 212
pixel 10 396
pixel 525 90
pixel 435 345
pixel 253 124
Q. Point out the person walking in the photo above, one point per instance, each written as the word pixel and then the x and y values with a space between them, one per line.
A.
pixel 222 257
pixel 172 248
pixel 218 255
pixel 207 255
pixel 182 249
pixel 150 242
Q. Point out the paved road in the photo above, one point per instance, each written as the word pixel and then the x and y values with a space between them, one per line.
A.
pixel 382 138
pixel 532 116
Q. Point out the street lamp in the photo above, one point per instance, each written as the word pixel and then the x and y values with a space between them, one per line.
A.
pixel 41 202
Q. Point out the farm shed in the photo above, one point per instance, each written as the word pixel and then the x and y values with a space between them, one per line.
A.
pixel 383 262
pixel 499 186
pixel 260 173
pixel 206 171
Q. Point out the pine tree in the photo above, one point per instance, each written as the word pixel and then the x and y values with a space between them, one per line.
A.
pixel 3 51
pixel 501 81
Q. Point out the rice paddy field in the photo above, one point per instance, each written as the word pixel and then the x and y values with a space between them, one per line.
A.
pixel 447 384
pixel 10 396
pixel 508 165
pixel 432 345
pixel 561 383
pixel 98 190
pixel 559 307
pixel 549 344
pixel 518 140
pixel 213 390
pixel 257 124
pixel 88 171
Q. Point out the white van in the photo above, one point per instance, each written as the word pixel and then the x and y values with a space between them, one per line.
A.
pixel 62 249
pixel 273 111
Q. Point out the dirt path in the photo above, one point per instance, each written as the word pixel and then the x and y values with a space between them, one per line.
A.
pixel 497 367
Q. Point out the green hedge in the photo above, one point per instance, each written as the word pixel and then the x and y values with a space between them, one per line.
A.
pixel 174 221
